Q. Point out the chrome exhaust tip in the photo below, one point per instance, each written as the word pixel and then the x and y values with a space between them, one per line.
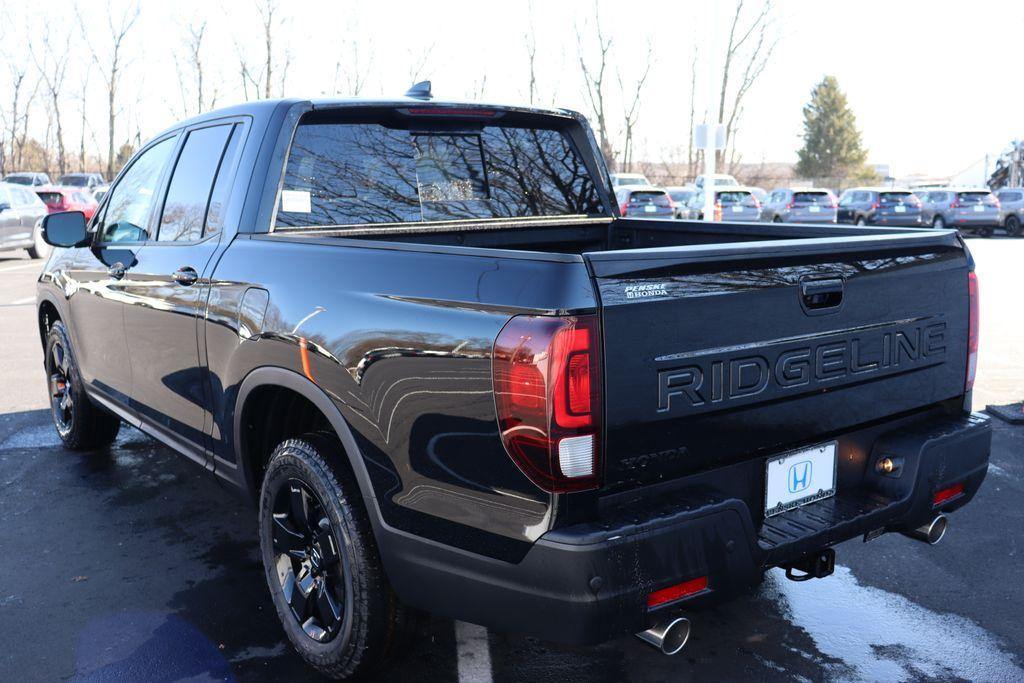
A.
pixel 669 636
pixel 930 533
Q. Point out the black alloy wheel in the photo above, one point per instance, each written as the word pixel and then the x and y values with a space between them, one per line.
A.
pixel 310 564
pixel 62 400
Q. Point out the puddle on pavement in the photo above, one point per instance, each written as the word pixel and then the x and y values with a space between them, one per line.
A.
pixel 44 436
pixel 883 636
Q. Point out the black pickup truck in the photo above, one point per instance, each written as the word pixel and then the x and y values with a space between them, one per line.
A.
pixel 452 378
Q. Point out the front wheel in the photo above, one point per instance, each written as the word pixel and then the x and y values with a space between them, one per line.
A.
pixel 80 423
pixel 39 248
pixel 321 561
pixel 1013 226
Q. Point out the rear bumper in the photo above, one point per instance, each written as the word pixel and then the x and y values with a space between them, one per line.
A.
pixel 589 582
pixel 914 221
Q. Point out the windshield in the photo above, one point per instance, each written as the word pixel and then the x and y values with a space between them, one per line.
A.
pixel 821 198
pixel 51 197
pixel 18 179
pixel 358 173
pixel 73 180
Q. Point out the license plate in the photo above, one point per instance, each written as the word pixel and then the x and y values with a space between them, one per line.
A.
pixel 650 208
pixel 800 477
pixel 814 209
pixel 979 208
pixel 900 209
pixel 737 209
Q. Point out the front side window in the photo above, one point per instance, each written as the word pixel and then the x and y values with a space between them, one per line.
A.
pixel 364 173
pixel 188 193
pixel 131 201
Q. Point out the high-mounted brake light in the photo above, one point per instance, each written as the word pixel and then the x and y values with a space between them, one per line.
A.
pixel 547 394
pixel 677 592
pixel 972 330
pixel 451 111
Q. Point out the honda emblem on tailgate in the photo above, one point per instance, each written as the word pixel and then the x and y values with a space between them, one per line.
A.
pixel 800 476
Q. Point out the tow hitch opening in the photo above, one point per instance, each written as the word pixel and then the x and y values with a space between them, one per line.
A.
pixel 815 566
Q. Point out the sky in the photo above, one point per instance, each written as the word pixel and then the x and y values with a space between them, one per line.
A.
pixel 928 81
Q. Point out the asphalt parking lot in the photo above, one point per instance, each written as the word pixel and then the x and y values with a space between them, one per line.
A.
pixel 133 564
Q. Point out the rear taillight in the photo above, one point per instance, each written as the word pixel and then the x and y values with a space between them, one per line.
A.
pixel 972 330
pixel 790 205
pixel 876 205
pixel 954 205
pixel 995 203
pixel 624 208
pixel 547 392
pixel 757 202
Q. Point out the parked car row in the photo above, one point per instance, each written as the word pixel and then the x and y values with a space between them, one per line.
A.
pixel 969 209
pixel 24 202
pixel 87 181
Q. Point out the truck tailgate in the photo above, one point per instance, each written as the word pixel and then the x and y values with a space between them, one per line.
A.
pixel 721 353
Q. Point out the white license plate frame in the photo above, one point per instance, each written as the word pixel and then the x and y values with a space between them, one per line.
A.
pixel 779 494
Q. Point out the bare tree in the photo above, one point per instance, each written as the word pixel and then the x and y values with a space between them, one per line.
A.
pixel 632 111
pixel 352 71
pixel 111 65
pixel 18 108
pixel 750 46
pixel 594 83
pixel 52 67
pixel 530 40
pixel 261 80
pixel 193 79
pixel 418 65
pixel 691 159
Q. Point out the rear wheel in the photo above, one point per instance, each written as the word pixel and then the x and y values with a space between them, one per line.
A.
pixel 861 222
pixel 321 562
pixel 80 423
pixel 777 219
pixel 1013 226
pixel 939 223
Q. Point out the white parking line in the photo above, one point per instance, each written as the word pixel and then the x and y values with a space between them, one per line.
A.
pixel 474 653
pixel 22 302
pixel 37 266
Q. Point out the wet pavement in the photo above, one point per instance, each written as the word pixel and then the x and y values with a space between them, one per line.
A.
pixel 133 564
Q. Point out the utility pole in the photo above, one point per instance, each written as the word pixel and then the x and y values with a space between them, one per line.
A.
pixel 710 123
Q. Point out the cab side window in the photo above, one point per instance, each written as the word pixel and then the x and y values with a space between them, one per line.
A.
pixel 131 201
pixel 188 195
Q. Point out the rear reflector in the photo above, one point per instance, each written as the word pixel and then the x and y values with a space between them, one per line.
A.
pixel 677 592
pixel 948 493
pixel 972 330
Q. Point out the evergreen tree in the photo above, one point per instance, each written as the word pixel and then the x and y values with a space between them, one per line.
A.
pixel 832 145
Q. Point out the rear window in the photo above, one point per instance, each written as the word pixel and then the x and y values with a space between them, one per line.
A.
pixel 360 173
pixel 1010 196
pixel 74 180
pixel 50 197
pixel 897 198
pixel 649 197
pixel 735 197
pixel 812 198
pixel 975 198
pixel 681 195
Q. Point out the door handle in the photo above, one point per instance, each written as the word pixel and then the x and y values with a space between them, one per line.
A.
pixel 818 296
pixel 117 270
pixel 186 276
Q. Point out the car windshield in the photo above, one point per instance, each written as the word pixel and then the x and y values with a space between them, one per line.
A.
pixel 358 173
pixel 811 198
pixel 735 197
pixel 18 179
pixel 655 197
pixel 897 198
pixel 50 197
pixel 975 198
pixel 73 180
pixel 681 195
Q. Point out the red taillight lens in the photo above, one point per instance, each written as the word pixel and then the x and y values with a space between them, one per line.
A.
pixel 972 330
pixel 946 494
pixel 624 208
pixel 677 592
pixel 546 373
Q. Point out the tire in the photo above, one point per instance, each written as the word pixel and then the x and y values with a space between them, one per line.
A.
pixel 1013 226
pixel 939 223
pixel 80 423
pixel 356 619
pixel 777 219
pixel 861 222
pixel 39 249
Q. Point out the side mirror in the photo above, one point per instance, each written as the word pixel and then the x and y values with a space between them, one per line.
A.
pixel 4 206
pixel 65 229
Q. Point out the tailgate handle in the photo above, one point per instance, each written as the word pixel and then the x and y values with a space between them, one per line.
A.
pixel 820 296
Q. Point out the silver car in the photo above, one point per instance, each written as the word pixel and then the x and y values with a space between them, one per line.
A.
pixel 800 205
pixel 732 204
pixel 1011 209
pixel 21 217
pixel 639 201
pixel 681 196
pixel 966 209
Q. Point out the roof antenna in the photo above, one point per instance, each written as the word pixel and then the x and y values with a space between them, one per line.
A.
pixel 420 91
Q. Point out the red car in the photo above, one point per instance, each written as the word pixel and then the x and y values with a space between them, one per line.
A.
pixel 67 199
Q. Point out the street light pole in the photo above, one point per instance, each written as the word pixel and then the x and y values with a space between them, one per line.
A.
pixel 711 124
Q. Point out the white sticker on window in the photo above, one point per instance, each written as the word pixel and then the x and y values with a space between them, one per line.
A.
pixel 296 201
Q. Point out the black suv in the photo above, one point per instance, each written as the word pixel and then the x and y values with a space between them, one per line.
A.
pixel 880 206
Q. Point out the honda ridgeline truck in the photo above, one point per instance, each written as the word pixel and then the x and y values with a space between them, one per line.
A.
pixel 419 336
